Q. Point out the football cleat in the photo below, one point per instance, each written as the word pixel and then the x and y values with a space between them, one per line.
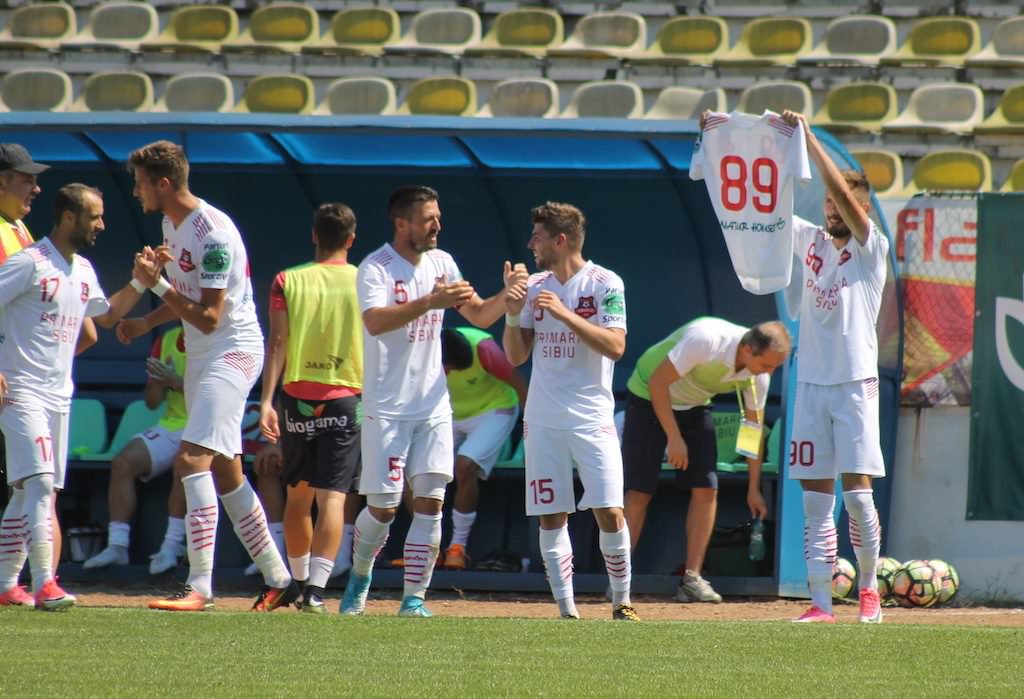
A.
pixel 186 599
pixel 270 598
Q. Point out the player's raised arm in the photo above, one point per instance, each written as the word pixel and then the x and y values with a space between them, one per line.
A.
pixel 517 341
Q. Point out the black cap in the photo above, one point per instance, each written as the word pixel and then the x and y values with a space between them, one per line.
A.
pixel 15 157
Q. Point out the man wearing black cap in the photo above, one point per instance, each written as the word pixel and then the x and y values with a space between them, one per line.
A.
pixel 18 188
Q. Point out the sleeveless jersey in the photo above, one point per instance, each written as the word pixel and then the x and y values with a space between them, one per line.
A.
pixel 475 391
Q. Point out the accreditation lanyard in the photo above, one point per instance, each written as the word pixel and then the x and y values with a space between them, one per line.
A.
pixel 748 439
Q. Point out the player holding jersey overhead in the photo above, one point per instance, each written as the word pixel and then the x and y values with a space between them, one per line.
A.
pixel 572 318
pixel 210 291
pixel 404 289
pixel 835 421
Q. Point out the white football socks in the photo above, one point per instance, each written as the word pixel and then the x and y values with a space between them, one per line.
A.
pixel 174 537
pixel 820 546
pixel 119 534
pixel 202 514
pixel 422 544
pixel 13 551
pixel 556 550
pixel 865 535
pixel 319 571
pixel 462 525
pixel 37 505
pixel 615 549
pixel 250 524
pixel 370 537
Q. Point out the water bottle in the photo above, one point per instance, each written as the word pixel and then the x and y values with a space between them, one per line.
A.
pixel 756 552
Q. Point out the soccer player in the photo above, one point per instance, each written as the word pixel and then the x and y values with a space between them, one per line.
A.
pixel 49 294
pixel 572 318
pixel 316 342
pixel 835 419
pixel 148 455
pixel 486 392
pixel 210 291
pixel 669 404
pixel 404 289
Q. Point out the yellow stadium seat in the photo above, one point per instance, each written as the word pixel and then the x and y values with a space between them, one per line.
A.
pixel 115 91
pixel 35 90
pixel 952 170
pixel 776 96
pixel 40 25
pixel 619 99
pixel 447 30
pixel 1005 50
pixel 769 41
pixel 884 170
pixel 521 32
pixel 197 92
pixel 605 35
pixel 196 28
pixel 278 94
pixel 857 107
pixel 443 96
pixel 522 97
pixel 117 24
pixel 1015 182
pixel 688 40
pixel 358 31
pixel 1008 117
pixel 940 108
pixel 858 39
pixel 938 41
pixel 681 103
pixel 281 27
pixel 358 96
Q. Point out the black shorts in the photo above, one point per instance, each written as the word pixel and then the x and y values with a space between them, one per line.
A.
pixel 320 443
pixel 644 442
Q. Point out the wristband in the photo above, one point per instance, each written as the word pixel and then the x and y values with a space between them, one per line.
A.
pixel 511 320
pixel 137 285
pixel 161 287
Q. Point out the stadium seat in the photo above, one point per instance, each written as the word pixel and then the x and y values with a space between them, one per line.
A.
pixel 859 39
pixel 857 107
pixel 769 41
pixel 605 35
pixel 606 98
pixel 938 41
pixel 1005 50
pixel 445 96
pixel 521 32
pixel 280 27
pixel 283 93
pixel 776 96
pixel 952 170
pixel 443 30
pixel 522 97
pixel 1008 117
pixel 196 29
pixel 136 418
pixel 676 102
pixel 358 96
pixel 118 25
pixel 687 40
pixel 358 31
pixel 1015 181
pixel 197 92
pixel 884 170
pixel 115 91
pixel 41 26
pixel 940 108
pixel 87 431
pixel 517 460
pixel 35 90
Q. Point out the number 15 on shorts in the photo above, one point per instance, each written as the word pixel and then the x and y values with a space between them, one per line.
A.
pixel 541 491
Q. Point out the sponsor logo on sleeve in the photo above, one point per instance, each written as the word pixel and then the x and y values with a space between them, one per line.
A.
pixel 216 262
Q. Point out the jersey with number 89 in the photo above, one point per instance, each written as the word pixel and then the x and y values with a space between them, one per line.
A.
pixel 749 164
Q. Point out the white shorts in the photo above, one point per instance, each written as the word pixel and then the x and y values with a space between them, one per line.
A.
pixel 215 394
pixel 549 460
pixel 394 450
pixel 835 430
pixel 162 445
pixel 36 439
pixel 481 437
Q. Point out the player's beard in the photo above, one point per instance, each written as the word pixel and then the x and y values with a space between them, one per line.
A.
pixel 839 231
pixel 422 245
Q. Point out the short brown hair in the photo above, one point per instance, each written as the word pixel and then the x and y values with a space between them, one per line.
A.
pixel 403 199
pixel 857 181
pixel 558 218
pixel 334 225
pixel 161 159
pixel 71 197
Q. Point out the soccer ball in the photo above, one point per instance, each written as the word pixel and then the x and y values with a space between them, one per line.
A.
pixel 950 580
pixel 916 584
pixel 844 576
pixel 885 571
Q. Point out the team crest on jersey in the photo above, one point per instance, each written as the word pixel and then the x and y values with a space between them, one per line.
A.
pixel 185 261
pixel 585 307
pixel 844 257
pixel 85 292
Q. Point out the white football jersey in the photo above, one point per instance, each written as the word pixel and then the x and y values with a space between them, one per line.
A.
pixel 842 294
pixel 402 374
pixel 749 163
pixel 209 254
pixel 44 300
pixel 571 384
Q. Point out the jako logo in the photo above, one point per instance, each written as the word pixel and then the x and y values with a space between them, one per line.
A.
pixel 1007 308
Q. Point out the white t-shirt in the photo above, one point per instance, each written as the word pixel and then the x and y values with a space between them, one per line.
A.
pixel 44 300
pixel 209 254
pixel 571 384
pixel 402 374
pixel 749 163
pixel 842 293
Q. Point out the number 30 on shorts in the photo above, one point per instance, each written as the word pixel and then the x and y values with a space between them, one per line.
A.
pixel 542 492
pixel 801 453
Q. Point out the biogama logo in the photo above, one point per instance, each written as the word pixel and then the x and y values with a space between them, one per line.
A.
pixel 315 420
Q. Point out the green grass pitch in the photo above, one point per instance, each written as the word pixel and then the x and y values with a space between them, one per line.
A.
pixel 138 653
